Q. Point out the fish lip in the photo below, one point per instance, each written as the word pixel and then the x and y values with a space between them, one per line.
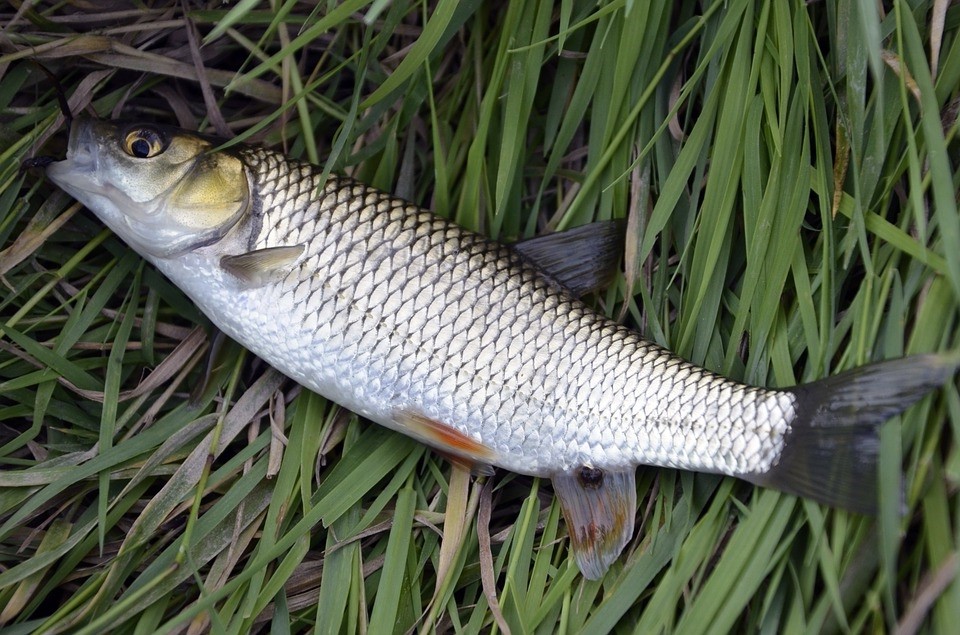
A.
pixel 81 162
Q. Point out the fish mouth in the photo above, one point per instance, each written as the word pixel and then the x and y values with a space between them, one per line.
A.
pixel 80 169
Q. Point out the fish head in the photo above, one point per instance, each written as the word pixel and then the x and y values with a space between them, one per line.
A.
pixel 163 190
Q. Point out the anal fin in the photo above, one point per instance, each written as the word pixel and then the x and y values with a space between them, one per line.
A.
pixel 263 265
pixel 599 507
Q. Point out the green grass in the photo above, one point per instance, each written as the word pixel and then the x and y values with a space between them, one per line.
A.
pixel 788 173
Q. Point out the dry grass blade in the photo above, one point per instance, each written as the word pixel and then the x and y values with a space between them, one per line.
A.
pixel 188 474
pixel 896 65
pixel 930 589
pixel 487 574
pixel 455 523
pixel 44 224
pixel 213 108
pixel 165 370
pixel 937 19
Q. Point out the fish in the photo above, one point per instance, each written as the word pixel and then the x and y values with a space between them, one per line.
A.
pixel 484 351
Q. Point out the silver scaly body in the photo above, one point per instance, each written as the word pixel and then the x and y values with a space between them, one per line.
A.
pixel 392 310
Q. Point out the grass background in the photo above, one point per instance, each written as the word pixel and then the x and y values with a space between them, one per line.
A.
pixel 788 172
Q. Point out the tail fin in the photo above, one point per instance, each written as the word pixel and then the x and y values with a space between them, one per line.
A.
pixel 831 451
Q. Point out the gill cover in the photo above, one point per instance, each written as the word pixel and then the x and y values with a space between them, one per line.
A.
pixel 214 192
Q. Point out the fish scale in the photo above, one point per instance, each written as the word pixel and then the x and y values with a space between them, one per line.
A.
pixel 471 346
pixel 436 313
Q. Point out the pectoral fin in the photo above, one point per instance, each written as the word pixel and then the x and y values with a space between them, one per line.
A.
pixel 263 265
pixel 599 507
pixel 454 445
pixel 582 259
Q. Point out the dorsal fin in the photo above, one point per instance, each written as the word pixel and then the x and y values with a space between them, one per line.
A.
pixel 599 507
pixel 582 259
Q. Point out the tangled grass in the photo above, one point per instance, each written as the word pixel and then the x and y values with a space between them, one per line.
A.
pixel 788 174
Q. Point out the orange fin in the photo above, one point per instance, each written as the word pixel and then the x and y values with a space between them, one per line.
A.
pixel 599 507
pixel 456 446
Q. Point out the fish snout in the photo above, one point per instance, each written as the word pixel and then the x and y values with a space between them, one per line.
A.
pixel 82 156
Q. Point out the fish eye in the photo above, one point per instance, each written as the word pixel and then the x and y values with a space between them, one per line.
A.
pixel 144 143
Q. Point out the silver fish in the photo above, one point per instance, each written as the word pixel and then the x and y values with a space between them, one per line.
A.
pixel 463 343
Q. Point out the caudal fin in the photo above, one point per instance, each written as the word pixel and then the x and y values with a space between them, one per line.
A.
pixel 831 451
